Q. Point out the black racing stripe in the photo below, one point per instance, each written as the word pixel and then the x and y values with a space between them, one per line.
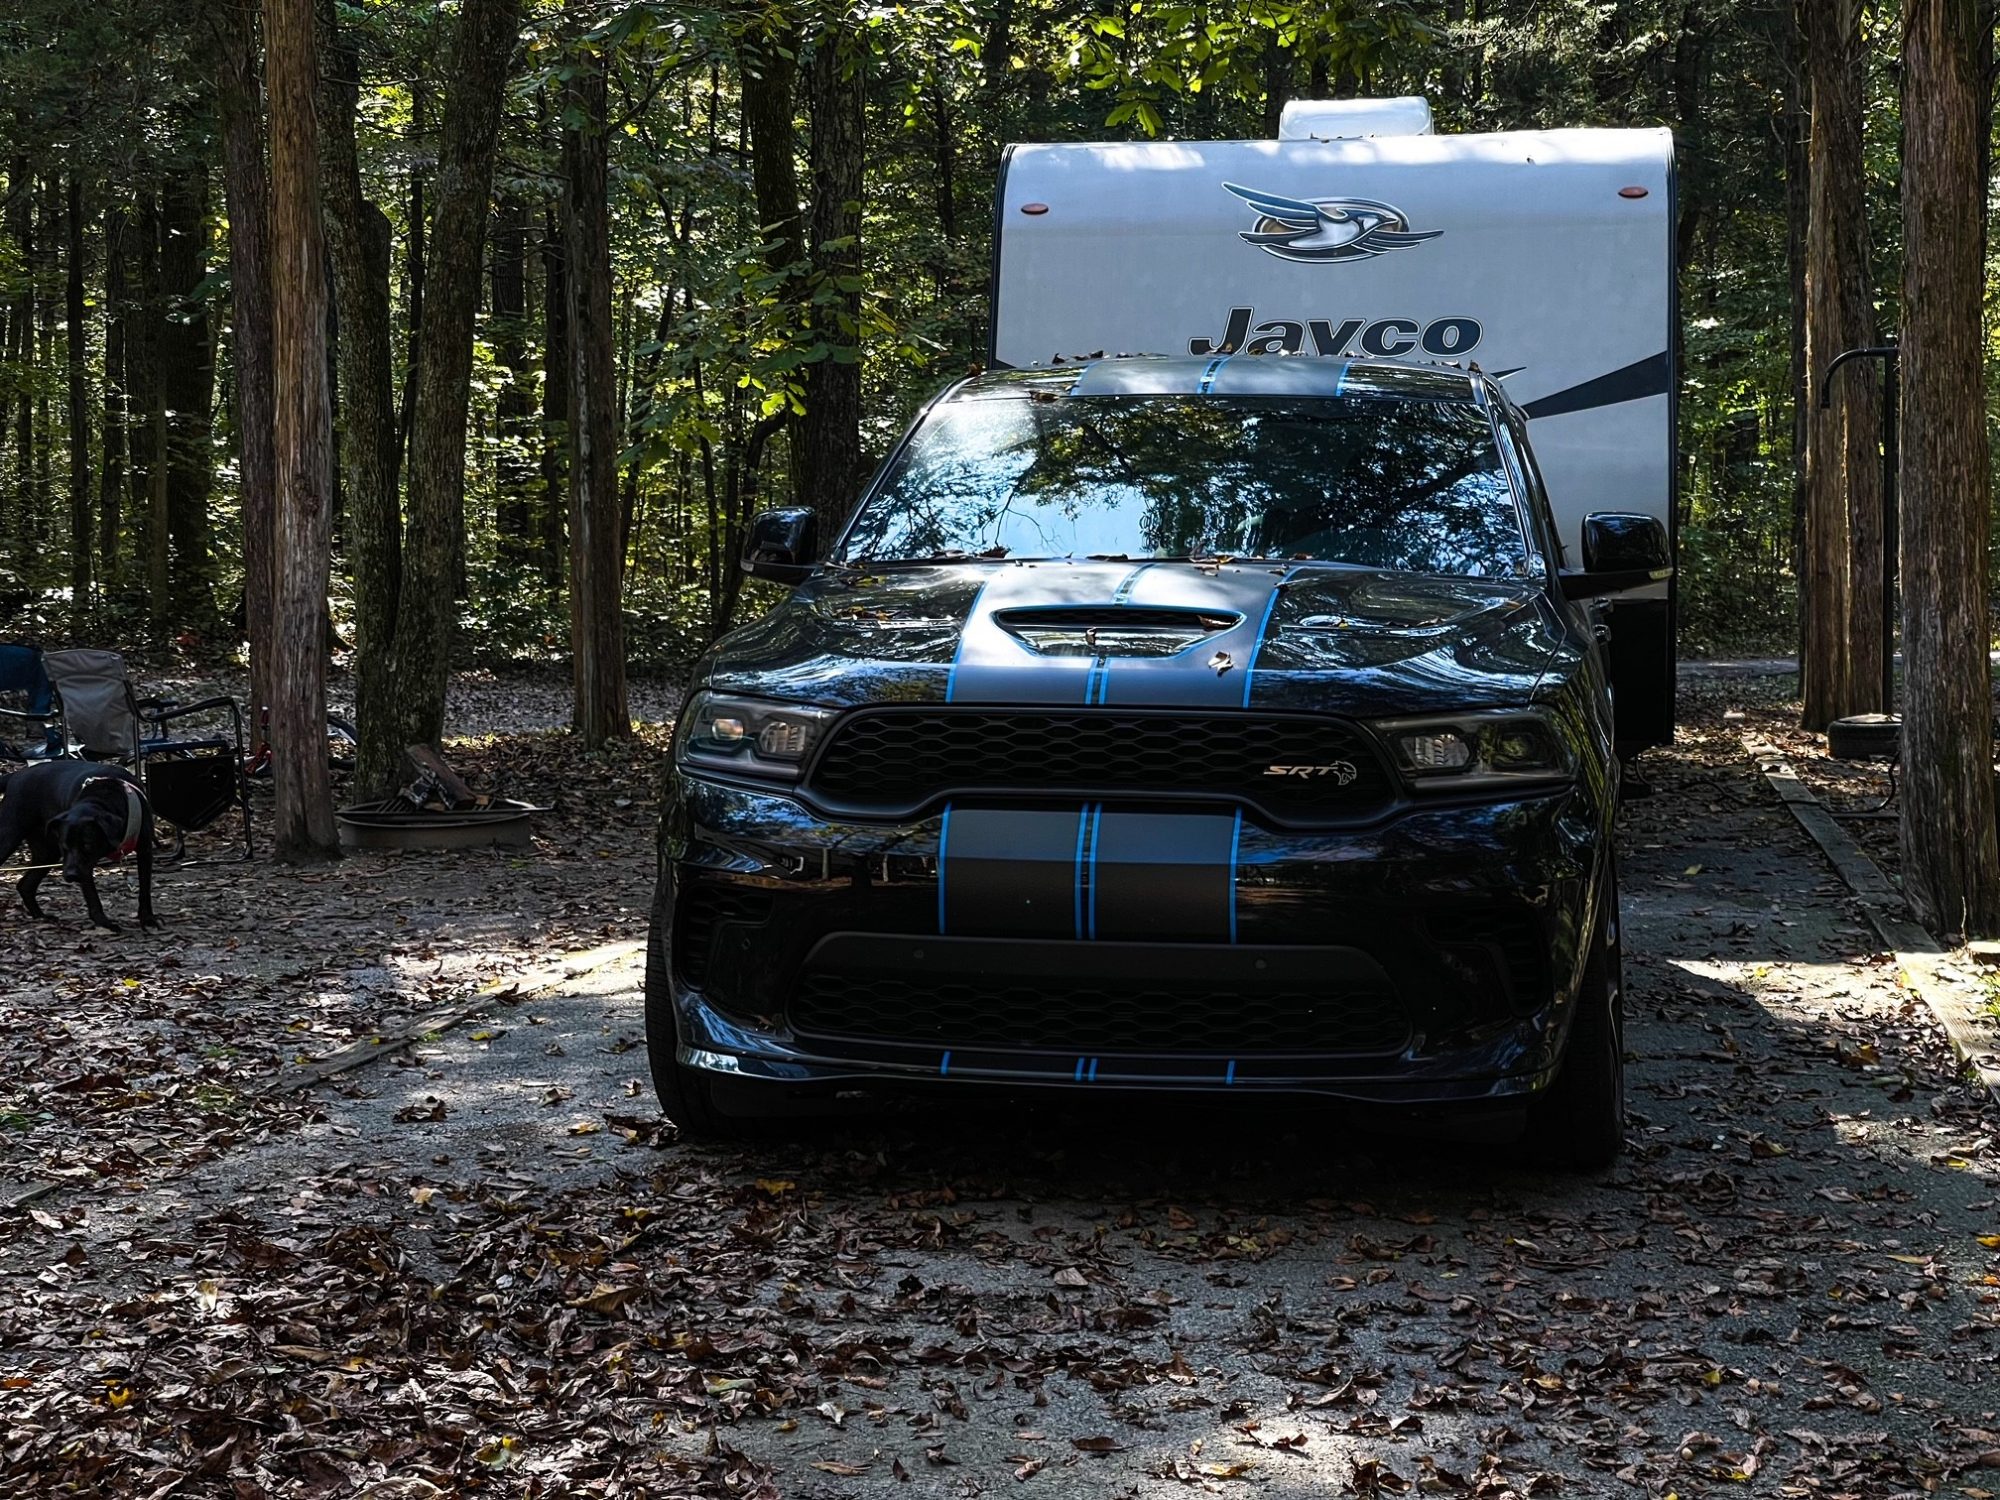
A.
pixel 1008 873
pixel 1651 376
pixel 1162 875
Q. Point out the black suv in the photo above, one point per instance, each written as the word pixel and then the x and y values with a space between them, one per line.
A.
pixel 1220 726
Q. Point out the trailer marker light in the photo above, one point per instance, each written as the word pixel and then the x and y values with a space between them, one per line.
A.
pixel 1632 192
pixel 1034 208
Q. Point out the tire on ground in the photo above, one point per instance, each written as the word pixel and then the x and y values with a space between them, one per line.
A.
pixel 1578 1122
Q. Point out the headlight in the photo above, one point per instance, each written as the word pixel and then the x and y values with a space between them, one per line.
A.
pixel 750 736
pixel 1457 752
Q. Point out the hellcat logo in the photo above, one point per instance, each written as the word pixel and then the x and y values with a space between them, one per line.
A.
pixel 1327 229
pixel 1384 338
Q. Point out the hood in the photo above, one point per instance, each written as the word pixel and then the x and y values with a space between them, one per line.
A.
pixel 1308 637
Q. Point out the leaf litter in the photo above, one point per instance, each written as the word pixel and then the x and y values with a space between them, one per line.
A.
pixel 1790 1286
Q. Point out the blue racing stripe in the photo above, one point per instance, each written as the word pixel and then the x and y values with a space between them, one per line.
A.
pixel 958 651
pixel 1340 380
pixel 1235 844
pixel 1230 1076
pixel 1079 1070
pixel 1096 822
pixel 944 842
pixel 1257 646
pixel 1093 1070
pixel 1082 838
pixel 1208 376
pixel 944 1066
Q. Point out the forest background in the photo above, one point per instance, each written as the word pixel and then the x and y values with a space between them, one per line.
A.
pixel 797 198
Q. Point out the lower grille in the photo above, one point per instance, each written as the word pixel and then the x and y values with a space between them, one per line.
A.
pixel 1502 946
pixel 892 760
pixel 703 911
pixel 1050 1016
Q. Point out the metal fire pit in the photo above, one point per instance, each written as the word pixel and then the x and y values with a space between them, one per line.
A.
pixel 394 824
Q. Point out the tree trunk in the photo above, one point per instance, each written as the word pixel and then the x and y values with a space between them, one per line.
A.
pixel 555 402
pixel 246 190
pixel 301 443
pixel 514 408
pixel 144 331
pixel 829 456
pixel 21 338
pixel 187 385
pixel 596 568
pixel 111 485
pixel 1951 869
pixel 79 413
pixel 358 239
pixel 1794 132
pixel 1841 660
pixel 770 71
pixel 482 47
pixel 414 218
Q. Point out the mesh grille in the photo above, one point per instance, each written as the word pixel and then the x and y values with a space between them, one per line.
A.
pixel 706 907
pixel 1512 947
pixel 972 1013
pixel 891 760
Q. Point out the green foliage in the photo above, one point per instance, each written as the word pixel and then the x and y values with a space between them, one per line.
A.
pixel 715 342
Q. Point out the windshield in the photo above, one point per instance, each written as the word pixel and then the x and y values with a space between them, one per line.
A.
pixel 1415 486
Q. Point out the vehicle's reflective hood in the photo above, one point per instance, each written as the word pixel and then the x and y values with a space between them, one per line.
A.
pixel 1311 637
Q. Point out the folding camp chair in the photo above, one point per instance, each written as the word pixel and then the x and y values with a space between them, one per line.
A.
pixel 28 720
pixel 191 777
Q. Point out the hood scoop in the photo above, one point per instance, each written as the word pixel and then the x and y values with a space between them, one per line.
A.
pixel 1113 629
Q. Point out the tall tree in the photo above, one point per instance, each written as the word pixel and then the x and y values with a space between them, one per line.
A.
pixel 514 407
pixel 302 440
pixel 829 455
pixel 187 390
pixel 358 240
pixel 596 554
pixel 1951 867
pixel 247 193
pixel 111 480
pixel 482 48
pixel 79 410
pixel 1841 654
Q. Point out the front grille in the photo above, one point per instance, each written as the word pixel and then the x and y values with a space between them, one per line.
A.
pixel 1089 1018
pixel 704 911
pixel 893 760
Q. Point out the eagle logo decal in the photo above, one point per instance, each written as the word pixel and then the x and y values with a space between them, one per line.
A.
pixel 1327 229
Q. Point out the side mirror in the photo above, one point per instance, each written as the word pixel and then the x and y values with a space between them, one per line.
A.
pixel 1620 552
pixel 783 545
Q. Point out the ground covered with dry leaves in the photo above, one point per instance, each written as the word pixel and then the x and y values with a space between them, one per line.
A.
pixel 483 1265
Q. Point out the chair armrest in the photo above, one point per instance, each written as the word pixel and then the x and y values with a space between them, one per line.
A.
pixel 171 708
pixel 207 705
pixel 26 717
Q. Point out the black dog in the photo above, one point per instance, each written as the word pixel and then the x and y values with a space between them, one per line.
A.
pixel 77 813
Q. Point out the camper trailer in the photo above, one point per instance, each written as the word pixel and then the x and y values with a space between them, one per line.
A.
pixel 1215 697
pixel 1546 258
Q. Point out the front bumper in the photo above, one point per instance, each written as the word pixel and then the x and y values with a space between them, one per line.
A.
pixel 1431 959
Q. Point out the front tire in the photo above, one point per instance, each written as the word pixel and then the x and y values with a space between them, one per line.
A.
pixel 1578 1123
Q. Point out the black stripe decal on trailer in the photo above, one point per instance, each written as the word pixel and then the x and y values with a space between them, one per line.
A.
pixel 1651 376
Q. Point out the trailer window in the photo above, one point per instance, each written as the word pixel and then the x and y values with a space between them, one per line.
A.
pixel 1385 483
